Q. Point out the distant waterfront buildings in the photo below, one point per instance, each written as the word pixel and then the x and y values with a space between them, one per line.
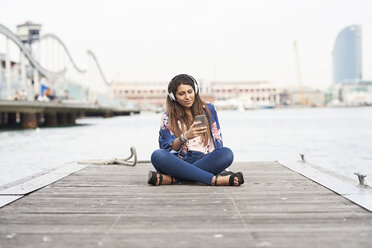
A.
pixel 146 95
pixel 347 56
pixel 245 94
pixel 304 97
pixel 250 94
pixel 359 94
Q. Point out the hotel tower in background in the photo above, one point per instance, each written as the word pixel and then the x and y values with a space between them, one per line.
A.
pixel 349 88
pixel 347 55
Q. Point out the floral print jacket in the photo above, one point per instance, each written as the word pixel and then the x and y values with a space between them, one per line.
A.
pixel 166 136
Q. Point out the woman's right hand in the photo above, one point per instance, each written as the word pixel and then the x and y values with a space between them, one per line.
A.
pixel 195 130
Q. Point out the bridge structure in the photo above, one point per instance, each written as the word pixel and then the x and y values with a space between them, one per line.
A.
pixel 41 84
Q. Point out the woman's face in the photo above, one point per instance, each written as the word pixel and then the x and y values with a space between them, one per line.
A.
pixel 185 95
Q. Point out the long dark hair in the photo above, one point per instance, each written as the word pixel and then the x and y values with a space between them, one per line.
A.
pixel 177 112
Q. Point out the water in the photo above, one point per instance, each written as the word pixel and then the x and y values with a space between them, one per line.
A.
pixel 339 139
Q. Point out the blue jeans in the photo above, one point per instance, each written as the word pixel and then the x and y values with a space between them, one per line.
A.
pixel 197 167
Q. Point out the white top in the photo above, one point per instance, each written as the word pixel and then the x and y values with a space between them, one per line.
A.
pixel 197 144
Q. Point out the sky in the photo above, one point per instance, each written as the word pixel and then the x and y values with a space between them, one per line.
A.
pixel 213 40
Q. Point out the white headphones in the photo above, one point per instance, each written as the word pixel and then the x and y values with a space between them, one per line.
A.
pixel 171 96
pixel 196 87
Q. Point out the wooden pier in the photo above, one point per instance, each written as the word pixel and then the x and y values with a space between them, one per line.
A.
pixel 29 114
pixel 112 206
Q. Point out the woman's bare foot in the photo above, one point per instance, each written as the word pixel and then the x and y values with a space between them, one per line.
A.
pixel 225 180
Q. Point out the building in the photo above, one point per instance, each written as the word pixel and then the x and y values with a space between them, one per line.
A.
pixel 304 97
pixel 349 88
pixel 147 95
pixel 350 94
pixel 225 95
pixel 347 56
pixel 247 95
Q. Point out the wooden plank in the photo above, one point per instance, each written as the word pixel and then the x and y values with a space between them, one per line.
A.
pixel 112 206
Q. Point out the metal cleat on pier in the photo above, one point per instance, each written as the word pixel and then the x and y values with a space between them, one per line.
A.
pixel 361 178
pixel 302 158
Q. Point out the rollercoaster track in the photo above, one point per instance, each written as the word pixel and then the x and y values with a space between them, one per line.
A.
pixel 55 37
pixel 43 71
pixel 89 52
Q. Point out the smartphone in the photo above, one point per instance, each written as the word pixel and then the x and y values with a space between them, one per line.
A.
pixel 201 118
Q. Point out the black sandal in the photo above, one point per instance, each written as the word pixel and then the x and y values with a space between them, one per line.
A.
pixel 231 179
pixel 215 180
pixel 153 178
pixel 241 177
pixel 227 173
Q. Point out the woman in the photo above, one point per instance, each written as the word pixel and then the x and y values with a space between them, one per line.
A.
pixel 190 151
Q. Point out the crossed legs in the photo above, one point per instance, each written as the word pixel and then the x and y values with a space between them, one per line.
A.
pixel 203 170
